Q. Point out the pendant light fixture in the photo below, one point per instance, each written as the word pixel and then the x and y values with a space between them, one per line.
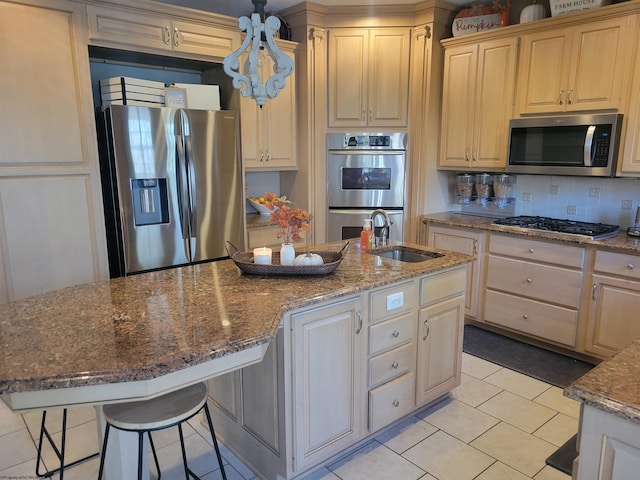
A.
pixel 259 38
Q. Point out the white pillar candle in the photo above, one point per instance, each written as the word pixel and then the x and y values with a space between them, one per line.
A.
pixel 262 256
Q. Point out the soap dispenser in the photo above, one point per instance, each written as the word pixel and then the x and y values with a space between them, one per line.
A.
pixel 366 236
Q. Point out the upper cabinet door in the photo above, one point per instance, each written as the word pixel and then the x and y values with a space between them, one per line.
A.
pixel 388 85
pixel 51 216
pixel 368 77
pixel 573 69
pixel 348 51
pixel 477 101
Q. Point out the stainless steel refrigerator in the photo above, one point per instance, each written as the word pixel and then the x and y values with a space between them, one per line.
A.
pixel 172 186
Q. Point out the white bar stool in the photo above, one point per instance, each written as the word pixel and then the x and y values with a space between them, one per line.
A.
pixel 159 413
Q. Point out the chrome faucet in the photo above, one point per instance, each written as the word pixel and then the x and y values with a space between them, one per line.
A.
pixel 384 232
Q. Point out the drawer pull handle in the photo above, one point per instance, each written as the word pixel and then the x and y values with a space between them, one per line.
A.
pixel 396 403
pixel 525 316
pixel 359 315
pixel 426 330
pixel 394 365
pixel 395 334
pixel 630 266
pixel 529 280
pixel 531 250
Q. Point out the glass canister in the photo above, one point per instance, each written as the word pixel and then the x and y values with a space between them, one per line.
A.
pixel 502 189
pixel 483 188
pixel 464 184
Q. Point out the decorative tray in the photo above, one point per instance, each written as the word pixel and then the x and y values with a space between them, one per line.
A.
pixel 244 261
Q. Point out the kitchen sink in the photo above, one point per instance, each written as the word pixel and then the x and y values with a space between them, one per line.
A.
pixel 405 254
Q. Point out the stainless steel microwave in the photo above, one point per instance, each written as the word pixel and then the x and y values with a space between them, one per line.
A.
pixel 581 145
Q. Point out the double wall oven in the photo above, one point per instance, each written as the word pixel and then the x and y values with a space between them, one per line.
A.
pixel 365 171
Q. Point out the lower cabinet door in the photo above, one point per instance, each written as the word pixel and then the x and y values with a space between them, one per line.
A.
pixel 440 329
pixel 328 362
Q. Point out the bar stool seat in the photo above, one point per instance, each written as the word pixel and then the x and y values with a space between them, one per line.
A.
pixel 166 411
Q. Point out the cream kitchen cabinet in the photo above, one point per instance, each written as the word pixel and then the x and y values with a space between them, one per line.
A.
pixel 630 156
pixel 477 102
pixel 392 334
pixel 614 303
pixel 269 139
pixel 469 242
pixel 328 391
pixel 142 30
pixel 368 77
pixel 52 233
pixel 440 331
pixel 534 287
pixel 572 69
pixel 342 370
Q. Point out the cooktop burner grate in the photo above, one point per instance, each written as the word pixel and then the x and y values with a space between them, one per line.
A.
pixel 593 231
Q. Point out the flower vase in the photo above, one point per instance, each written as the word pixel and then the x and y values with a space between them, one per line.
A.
pixel 287 254
pixel 504 18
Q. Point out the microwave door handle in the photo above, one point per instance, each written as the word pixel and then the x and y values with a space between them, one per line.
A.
pixel 589 151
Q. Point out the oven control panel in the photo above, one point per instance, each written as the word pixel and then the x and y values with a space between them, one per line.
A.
pixel 367 141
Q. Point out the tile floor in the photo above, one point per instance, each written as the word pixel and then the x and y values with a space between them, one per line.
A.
pixel 498 425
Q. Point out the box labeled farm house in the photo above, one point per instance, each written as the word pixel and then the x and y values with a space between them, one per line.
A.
pixel 560 7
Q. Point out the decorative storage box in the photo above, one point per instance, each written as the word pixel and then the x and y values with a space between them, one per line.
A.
pixel 131 91
pixel 560 7
pixel 202 97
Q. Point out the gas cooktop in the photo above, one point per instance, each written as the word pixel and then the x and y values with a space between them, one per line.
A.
pixel 569 228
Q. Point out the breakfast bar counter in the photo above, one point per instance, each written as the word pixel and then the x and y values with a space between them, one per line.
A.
pixel 609 433
pixel 146 334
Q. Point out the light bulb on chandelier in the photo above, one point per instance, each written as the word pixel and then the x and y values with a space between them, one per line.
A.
pixel 260 33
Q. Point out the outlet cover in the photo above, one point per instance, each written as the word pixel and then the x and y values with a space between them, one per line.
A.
pixel 395 300
pixel 571 209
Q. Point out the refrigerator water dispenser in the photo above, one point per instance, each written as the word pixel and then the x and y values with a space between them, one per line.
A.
pixel 150 204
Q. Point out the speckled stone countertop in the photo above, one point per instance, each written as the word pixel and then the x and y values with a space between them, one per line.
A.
pixel 613 385
pixel 620 242
pixel 144 326
pixel 255 220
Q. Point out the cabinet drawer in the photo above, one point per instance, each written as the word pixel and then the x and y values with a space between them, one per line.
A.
pixel 453 282
pixel 537 251
pixel 392 333
pixel 387 366
pixel 392 301
pixel 550 322
pixel 391 401
pixel 542 282
pixel 618 264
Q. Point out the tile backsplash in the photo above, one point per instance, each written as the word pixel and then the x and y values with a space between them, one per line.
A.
pixel 606 200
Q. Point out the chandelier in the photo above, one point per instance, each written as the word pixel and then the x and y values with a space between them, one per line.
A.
pixel 259 37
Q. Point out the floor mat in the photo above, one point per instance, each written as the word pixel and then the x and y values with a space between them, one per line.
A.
pixel 563 458
pixel 550 367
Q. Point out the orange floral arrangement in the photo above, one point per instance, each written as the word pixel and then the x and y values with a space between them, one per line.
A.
pixel 291 221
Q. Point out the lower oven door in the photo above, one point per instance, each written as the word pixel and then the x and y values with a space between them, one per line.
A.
pixel 343 224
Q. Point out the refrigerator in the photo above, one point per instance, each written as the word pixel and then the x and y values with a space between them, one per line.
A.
pixel 172 185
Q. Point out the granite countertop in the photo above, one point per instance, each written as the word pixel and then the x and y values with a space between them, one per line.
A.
pixel 255 220
pixel 620 242
pixel 144 326
pixel 613 385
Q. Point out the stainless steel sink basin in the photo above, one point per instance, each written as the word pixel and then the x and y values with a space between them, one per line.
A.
pixel 405 254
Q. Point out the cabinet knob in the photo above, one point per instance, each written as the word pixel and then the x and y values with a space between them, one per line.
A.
pixel 396 403
pixel 529 280
pixel 630 266
pixel 395 334
pixel 394 365
pixel 525 316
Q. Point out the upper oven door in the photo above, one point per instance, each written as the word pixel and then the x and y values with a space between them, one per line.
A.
pixel 365 178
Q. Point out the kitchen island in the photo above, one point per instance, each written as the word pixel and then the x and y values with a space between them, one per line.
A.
pixel 609 433
pixel 141 336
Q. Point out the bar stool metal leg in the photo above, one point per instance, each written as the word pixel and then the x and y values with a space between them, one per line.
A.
pixel 59 452
pixel 215 441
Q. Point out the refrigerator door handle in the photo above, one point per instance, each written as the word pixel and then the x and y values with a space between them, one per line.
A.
pixel 191 176
pixel 181 177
